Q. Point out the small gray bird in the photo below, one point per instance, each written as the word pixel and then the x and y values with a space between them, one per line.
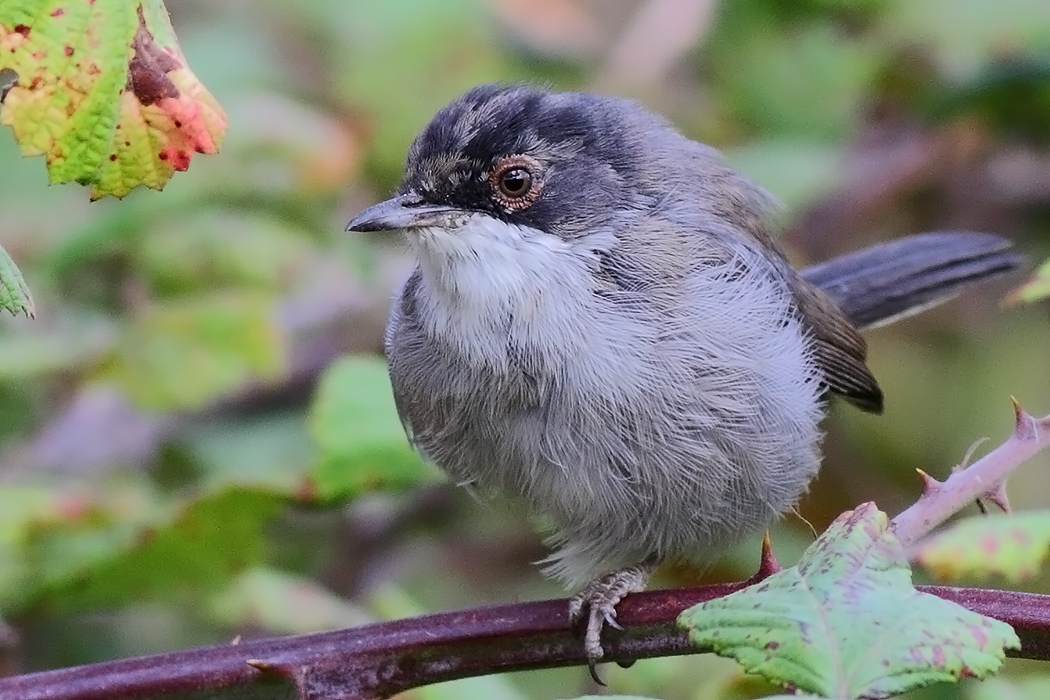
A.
pixel 600 323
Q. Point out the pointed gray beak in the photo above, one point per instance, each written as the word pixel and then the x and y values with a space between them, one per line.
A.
pixel 404 211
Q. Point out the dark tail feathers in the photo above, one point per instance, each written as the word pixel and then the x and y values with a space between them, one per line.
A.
pixel 890 281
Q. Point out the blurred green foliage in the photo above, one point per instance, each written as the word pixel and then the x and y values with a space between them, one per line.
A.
pixel 196 436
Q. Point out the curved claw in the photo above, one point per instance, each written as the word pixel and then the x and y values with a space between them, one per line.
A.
pixel 592 666
pixel 600 599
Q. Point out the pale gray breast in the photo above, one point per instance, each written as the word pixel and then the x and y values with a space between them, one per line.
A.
pixel 455 414
pixel 688 418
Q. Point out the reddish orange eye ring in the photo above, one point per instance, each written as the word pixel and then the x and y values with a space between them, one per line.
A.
pixel 515 182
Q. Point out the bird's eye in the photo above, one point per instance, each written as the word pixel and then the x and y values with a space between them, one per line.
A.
pixel 515 182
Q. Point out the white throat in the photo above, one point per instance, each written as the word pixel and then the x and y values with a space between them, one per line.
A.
pixel 492 283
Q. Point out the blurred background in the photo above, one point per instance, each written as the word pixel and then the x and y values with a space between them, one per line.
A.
pixel 196 435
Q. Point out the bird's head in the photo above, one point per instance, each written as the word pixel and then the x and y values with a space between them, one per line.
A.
pixel 555 164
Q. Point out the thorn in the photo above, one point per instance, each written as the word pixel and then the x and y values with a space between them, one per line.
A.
pixel 1024 424
pixel 929 484
pixel 235 641
pixel 997 495
pixel 268 667
pixel 768 565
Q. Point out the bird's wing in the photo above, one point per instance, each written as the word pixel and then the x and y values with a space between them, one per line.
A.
pixel 841 351
pixel 405 294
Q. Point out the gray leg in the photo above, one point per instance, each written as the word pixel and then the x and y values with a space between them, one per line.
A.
pixel 600 598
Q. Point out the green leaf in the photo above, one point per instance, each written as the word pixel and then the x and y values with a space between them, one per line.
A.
pixel 355 423
pixel 72 340
pixel 1013 546
pixel 768 69
pixel 49 535
pixel 187 352
pixel 271 450
pixel 202 547
pixel 796 172
pixel 422 41
pixel 478 688
pixel 1036 288
pixel 19 506
pixel 284 604
pixel 104 93
pixel 977 32
pixel 14 294
pixel 214 248
pixel 1029 688
pixel 847 622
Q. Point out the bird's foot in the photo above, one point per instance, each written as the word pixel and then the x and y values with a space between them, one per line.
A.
pixel 597 604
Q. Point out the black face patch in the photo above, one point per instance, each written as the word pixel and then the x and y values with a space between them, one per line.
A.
pixel 582 143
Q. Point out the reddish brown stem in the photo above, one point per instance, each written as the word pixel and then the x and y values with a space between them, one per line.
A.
pixel 377 661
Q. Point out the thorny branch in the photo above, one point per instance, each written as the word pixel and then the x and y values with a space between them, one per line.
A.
pixel 380 660
pixel 377 661
pixel 985 478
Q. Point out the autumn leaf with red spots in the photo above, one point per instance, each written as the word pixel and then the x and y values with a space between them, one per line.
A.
pixel 104 93
pixel 1013 546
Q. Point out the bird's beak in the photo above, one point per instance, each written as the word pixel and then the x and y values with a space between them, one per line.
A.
pixel 404 212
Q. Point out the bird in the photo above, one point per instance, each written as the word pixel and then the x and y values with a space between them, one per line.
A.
pixel 601 323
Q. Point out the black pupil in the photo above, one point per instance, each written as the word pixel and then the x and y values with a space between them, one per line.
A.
pixel 516 181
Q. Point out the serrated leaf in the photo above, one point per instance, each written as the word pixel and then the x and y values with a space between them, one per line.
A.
pixel 104 93
pixel 187 352
pixel 14 294
pixel 1013 546
pixel 355 423
pixel 847 622
pixel 285 604
pixel 1036 288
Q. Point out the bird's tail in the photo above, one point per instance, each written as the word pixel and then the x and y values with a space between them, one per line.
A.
pixel 890 281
